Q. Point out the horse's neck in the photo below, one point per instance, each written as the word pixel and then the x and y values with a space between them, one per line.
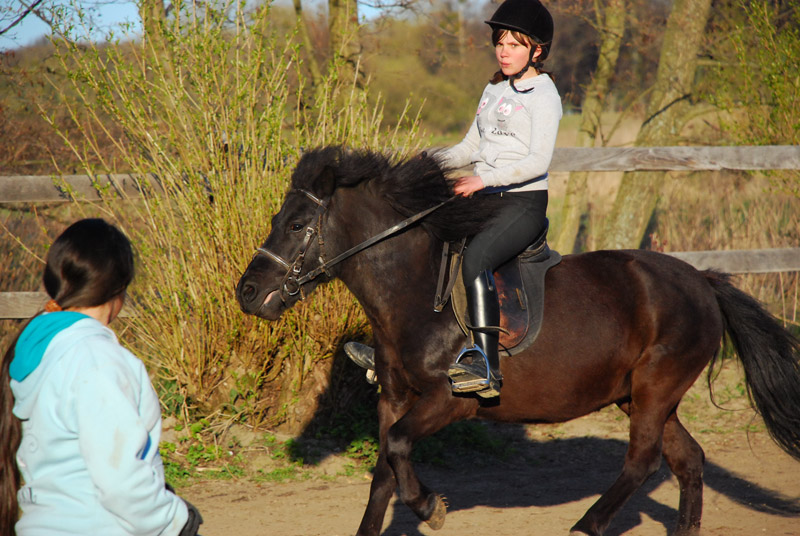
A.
pixel 400 269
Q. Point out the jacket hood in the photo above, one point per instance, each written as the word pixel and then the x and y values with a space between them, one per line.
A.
pixel 34 340
pixel 45 336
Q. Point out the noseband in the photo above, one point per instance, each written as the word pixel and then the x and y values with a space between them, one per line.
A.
pixel 292 282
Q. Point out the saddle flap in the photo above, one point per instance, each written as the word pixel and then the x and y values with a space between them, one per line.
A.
pixel 520 291
pixel 514 310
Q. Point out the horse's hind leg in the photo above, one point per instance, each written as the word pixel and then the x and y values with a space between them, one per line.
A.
pixel 642 460
pixel 685 458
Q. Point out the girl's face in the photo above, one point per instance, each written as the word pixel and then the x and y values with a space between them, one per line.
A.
pixel 513 55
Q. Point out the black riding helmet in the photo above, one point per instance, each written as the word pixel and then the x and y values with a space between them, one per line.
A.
pixel 531 18
pixel 527 16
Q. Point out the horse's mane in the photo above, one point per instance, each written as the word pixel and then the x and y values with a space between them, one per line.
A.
pixel 409 185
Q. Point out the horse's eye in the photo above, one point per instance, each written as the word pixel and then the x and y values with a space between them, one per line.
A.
pixel 295 227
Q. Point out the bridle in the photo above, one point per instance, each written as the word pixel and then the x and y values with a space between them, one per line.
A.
pixel 293 282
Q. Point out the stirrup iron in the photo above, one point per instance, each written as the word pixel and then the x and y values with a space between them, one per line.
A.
pixel 474 377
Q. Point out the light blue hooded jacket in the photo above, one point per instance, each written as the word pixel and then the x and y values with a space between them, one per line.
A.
pixel 91 424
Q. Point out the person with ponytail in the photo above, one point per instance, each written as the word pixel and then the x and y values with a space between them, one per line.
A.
pixel 80 420
pixel 509 145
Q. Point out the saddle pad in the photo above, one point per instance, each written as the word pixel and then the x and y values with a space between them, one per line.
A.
pixel 520 290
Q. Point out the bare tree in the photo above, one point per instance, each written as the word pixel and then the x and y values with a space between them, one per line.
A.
pixel 344 31
pixel 667 111
pixel 610 23
pixel 311 58
pixel 344 39
pixel 63 18
pixel 153 14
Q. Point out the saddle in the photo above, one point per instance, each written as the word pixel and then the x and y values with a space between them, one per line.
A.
pixel 520 289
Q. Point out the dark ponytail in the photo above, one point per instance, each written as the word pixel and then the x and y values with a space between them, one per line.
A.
pixel 89 264
pixel 11 433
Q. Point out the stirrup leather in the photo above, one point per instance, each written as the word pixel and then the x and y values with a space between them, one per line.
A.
pixel 474 377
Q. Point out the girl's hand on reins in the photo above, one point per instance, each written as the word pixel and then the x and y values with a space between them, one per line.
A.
pixel 466 186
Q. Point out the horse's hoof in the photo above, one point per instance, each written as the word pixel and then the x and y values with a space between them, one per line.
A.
pixel 436 521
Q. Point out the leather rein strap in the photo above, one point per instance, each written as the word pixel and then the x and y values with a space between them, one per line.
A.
pixel 292 284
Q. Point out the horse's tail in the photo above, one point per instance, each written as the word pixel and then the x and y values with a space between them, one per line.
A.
pixel 770 356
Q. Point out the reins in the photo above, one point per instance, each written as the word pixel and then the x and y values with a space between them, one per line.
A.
pixel 292 284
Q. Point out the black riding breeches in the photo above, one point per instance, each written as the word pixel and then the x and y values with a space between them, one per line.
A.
pixel 518 223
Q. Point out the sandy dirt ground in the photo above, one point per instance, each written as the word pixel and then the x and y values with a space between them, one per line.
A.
pixel 554 475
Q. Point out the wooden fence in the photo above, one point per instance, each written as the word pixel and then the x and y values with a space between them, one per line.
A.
pixel 38 189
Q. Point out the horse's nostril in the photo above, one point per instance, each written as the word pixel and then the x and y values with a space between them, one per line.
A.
pixel 249 292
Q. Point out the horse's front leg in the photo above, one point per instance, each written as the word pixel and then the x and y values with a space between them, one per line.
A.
pixel 383 479
pixel 434 410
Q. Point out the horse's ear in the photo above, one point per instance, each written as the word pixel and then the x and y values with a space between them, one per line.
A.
pixel 326 182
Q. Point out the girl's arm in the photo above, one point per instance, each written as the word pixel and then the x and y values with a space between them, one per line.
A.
pixel 460 154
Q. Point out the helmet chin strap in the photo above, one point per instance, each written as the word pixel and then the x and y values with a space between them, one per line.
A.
pixel 522 72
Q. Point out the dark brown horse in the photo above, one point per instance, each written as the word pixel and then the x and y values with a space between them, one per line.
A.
pixel 631 328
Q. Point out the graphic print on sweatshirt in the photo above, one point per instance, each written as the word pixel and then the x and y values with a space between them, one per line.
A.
pixel 486 100
pixel 505 111
pixel 504 117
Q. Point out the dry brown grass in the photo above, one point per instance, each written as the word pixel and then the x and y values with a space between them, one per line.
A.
pixel 728 210
pixel 705 210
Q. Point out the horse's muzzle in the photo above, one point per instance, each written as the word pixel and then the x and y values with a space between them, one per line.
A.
pixel 254 300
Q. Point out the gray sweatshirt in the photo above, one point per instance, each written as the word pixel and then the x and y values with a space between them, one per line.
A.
pixel 512 138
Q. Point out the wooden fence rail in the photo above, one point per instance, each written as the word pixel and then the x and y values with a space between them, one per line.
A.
pixel 19 305
pixel 38 189
pixel 676 158
pixel 758 261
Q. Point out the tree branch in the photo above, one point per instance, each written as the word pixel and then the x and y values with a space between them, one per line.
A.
pixel 28 11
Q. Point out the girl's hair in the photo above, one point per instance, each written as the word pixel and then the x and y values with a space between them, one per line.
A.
pixel 11 433
pixel 89 264
pixel 498 34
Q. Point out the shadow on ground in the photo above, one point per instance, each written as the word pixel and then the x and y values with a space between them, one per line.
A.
pixel 560 471
pixel 484 464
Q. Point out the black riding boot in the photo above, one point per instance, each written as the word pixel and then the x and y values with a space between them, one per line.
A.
pixel 363 356
pixel 477 369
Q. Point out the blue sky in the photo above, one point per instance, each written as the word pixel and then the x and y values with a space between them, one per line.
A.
pixel 108 16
